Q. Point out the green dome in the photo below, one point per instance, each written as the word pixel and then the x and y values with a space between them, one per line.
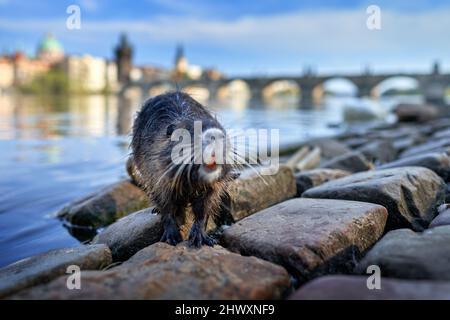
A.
pixel 50 44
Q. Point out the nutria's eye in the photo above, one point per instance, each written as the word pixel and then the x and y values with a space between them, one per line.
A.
pixel 170 129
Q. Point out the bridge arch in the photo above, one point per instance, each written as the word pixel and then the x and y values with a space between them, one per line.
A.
pixel 198 92
pixel 334 86
pixel 396 85
pixel 234 89
pixel 281 88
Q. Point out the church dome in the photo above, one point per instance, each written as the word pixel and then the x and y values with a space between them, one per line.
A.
pixel 50 48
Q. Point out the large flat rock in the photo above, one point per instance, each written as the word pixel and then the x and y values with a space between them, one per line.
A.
pixel 412 255
pixel 309 236
pixel 438 162
pixel 411 194
pixel 106 206
pixel 44 267
pixel 355 288
pixel 161 271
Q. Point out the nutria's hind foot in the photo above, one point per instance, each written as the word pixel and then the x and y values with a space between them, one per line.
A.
pixel 198 237
pixel 171 236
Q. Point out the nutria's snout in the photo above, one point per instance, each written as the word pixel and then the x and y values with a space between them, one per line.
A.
pixel 214 154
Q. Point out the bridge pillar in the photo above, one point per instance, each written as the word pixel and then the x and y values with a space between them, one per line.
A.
pixel 364 91
pixel 434 93
pixel 307 98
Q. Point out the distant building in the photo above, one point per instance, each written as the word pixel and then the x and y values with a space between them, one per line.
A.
pixel 124 56
pixel 50 50
pixel 90 74
pixel 181 63
pixel 26 69
pixel 212 74
pixel 6 73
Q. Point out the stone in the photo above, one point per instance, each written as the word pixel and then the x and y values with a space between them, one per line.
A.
pixel 47 266
pixel 402 144
pixel 310 161
pixel 309 237
pixel 443 218
pixel 442 134
pixel 252 192
pixel 352 161
pixel 406 112
pixel 342 287
pixel 380 151
pixel 247 194
pixel 441 145
pixel 406 254
pixel 161 271
pixel 329 148
pixel 410 194
pixel 312 178
pixel 359 113
pixel 356 142
pixel 130 234
pixel 106 206
pixel 438 162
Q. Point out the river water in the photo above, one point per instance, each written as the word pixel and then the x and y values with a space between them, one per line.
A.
pixel 53 150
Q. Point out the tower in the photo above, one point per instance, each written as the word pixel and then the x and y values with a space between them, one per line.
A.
pixel 124 55
pixel 181 64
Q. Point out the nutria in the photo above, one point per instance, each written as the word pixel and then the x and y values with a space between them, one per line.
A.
pixel 174 186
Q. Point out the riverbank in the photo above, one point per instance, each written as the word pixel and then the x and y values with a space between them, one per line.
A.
pixel 337 206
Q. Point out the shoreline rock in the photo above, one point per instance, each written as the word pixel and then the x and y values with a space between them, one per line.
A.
pixel 410 194
pixel 47 266
pixel 161 271
pixel 101 208
pixel 309 237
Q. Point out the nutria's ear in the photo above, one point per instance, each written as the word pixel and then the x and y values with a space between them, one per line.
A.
pixel 170 129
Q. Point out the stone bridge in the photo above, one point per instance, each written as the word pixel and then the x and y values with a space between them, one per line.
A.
pixel 432 86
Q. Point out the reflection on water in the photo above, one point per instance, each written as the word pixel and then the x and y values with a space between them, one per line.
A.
pixel 54 150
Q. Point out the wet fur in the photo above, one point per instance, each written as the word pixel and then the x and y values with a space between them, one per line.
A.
pixel 170 188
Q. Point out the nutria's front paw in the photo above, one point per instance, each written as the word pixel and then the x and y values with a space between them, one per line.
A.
pixel 171 236
pixel 197 238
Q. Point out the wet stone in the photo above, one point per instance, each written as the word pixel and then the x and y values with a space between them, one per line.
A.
pixel 47 266
pixel 437 162
pixel 106 206
pixel 309 237
pixel 407 254
pixel 161 271
pixel 410 194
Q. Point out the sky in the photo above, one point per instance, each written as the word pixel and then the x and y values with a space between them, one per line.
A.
pixel 243 37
